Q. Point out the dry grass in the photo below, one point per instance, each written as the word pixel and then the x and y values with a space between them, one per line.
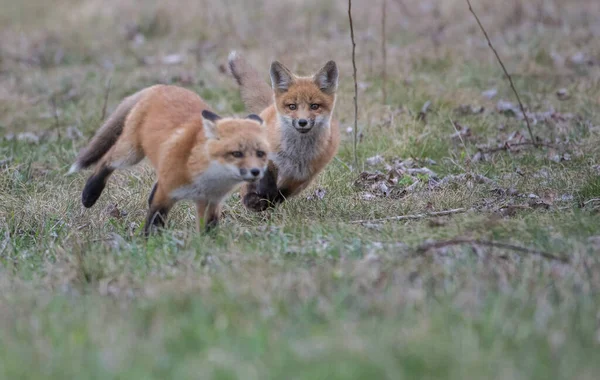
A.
pixel 302 292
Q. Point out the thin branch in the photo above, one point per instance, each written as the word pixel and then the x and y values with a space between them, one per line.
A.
pixel 106 93
pixel 411 217
pixel 383 52
pixel 55 114
pixel 487 243
pixel 507 146
pixel 355 84
pixel 591 201
pixel 512 85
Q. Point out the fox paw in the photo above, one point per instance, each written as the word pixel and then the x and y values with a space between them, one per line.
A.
pixel 255 202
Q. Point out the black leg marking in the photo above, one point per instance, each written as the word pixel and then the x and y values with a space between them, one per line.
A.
pixel 156 219
pixel 211 223
pixel 94 187
pixel 152 192
pixel 263 194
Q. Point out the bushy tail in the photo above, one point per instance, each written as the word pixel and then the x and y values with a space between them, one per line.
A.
pixel 256 93
pixel 107 135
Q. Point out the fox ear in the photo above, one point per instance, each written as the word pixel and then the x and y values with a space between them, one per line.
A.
pixel 255 117
pixel 281 77
pixel 209 121
pixel 327 78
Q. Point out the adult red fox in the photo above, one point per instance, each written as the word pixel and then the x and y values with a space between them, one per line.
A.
pixel 197 155
pixel 302 134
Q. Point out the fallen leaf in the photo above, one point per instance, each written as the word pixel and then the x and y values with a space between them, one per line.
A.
pixel 367 196
pixel 317 194
pixel 506 108
pixel 172 59
pixel 563 94
pixel 375 160
pixel 28 137
pixel 113 211
pixel 490 93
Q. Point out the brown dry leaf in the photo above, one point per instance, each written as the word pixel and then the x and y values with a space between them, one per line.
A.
pixel 113 211
pixel 467 109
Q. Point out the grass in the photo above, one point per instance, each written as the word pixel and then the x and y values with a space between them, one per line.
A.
pixel 301 292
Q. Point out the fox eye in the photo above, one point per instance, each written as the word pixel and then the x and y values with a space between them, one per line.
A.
pixel 292 107
pixel 237 154
pixel 314 106
pixel 260 154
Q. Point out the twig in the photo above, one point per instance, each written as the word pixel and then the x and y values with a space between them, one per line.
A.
pixel 507 146
pixel 487 243
pixel 423 113
pixel 591 201
pixel 55 114
pixel 383 53
pixel 505 73
pixel 106 93
pixel 355 83
pixel 414 216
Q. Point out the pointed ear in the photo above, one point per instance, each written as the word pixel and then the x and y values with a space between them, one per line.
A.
pixel 281 77
pixel 327 78
pixel 255 117
pixel 209 121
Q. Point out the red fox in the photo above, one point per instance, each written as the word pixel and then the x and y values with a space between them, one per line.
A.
pixel 298 116
pixel 197 155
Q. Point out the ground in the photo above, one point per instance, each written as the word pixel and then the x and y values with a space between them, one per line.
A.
pixel 306 291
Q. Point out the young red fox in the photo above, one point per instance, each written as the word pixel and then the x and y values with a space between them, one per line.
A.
pixel 196 154
pixel 302 134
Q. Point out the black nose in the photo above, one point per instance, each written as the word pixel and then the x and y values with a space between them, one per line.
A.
pixel 255 172
pixel 302 122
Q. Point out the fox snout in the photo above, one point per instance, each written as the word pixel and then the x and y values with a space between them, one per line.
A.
pixel 251 175
pixel 303 125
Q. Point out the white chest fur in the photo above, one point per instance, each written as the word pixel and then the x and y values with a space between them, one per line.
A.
pixel 214 184
pixel 298 152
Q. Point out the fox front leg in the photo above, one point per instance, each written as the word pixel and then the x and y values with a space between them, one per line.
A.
pixel 262 194
pixel 208 217
pixel 160 205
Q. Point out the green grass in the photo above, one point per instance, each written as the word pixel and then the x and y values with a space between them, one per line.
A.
pixel 302 292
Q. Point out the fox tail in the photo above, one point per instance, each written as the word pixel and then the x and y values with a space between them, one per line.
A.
pixel 256 93
pixel 107 135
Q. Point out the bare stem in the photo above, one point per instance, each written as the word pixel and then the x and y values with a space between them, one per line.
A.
pixel 383 52
pixel 512 85
pixel 355 84
pixel 487 243
pixel 106 93
pixel 55 114
pixel 414 216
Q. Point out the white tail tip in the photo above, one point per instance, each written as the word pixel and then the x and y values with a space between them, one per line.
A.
pixel 74 169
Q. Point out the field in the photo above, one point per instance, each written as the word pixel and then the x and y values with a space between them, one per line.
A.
pixel 504 287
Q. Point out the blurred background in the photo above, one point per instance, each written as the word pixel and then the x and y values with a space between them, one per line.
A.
pixel 45 45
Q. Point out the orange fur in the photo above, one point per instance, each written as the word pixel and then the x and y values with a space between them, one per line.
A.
pixel 196 154
pixel 299 153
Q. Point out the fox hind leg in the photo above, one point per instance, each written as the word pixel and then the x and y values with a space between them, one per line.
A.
pixel 95 185
pixel 152 192
pixel 123 154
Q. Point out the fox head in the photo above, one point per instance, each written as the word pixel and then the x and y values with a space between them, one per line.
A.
pixel 238 145
pixel 304 104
